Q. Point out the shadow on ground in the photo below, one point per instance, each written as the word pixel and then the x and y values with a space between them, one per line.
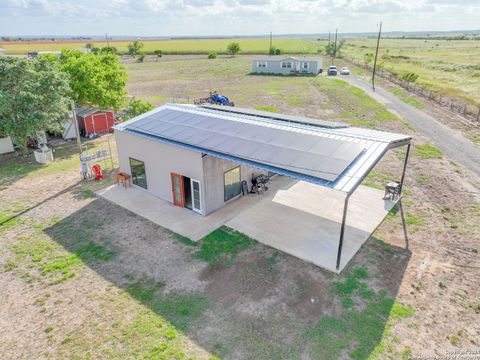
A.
pixel 18 165
pixel 255 303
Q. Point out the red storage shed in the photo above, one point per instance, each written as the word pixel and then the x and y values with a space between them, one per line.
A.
pixel 94 121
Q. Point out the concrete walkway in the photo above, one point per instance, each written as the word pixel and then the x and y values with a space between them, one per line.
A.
pixel 296 217
pixel 450 141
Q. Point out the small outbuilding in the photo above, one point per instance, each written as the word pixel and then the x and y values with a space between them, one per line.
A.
pixel 287 65
pixel 92 121
pixel 203 158
pixel 2 51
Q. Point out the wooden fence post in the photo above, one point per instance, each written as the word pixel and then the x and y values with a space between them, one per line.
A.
pixel 478 114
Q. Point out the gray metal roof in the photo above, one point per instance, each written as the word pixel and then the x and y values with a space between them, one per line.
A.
pixel 281 117
pixel 333 157
pixel 286 57
pixel 85 111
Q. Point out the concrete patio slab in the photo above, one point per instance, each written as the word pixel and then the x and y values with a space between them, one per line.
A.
pixel 296 217
pixel 305 220
pixel 180 220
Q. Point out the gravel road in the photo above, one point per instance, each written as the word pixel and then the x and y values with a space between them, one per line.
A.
pixel 450 141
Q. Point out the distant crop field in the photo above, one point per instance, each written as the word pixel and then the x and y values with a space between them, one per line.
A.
pixel 451 67
pixel 187 46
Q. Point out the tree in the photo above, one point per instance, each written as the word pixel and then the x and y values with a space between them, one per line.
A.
pixel 367 58
pixel 233 48
pixel 340 45
pixel 212 54
pixel 330 48
pixel 89 46
pixel 159 53
pixel 108 49
pixel 409 77
pixel 275 51
pixel 97 80
pixel 134 48
pixel 33 97
pixel 137 107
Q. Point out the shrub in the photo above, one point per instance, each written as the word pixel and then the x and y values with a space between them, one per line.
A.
pixel 134 48
pixel 159 53
pixel 137 107
pixel 233 48
pixel 275 51
pixel 212 55
pixel 141 58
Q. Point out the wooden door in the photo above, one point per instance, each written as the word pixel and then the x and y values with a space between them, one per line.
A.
pixel 177 190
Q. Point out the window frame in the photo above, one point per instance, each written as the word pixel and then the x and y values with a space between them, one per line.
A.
pixel 225 199
pixel 307 65
pixel 262 64
pixel 144 169
pixel 287 63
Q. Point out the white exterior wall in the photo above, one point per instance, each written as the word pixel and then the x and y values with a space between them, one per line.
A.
pixel 274 66
pixel 160 161
pixel 214 169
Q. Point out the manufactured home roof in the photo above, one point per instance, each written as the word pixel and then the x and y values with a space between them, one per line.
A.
pixel 286 57
pixel 336 157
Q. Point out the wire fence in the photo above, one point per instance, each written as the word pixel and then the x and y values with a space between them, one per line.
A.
pixel 469 111
pixel 182 100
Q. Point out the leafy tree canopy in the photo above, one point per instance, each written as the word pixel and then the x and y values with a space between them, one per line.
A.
pixel 134 48
pixel 33 97
pixel 137 107
pixel 97 80
pixel 233 48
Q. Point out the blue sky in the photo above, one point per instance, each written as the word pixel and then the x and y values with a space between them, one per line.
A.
pixel 231 17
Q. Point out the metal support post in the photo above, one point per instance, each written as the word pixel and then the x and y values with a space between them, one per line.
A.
pixel 342 231
pixel 404 169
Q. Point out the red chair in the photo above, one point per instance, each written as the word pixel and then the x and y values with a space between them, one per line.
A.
pixel 98 172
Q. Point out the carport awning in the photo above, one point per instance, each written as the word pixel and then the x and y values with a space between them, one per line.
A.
pixel 336 157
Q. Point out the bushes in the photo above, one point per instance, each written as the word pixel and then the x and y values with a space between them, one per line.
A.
pixel 212 55
pixel 275 51
pixel 159 53
pixel 137 107
pixel 233 48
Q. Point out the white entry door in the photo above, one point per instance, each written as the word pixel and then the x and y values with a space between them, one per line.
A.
pixel 196 202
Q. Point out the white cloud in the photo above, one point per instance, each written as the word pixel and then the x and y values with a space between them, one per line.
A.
pixel 196 17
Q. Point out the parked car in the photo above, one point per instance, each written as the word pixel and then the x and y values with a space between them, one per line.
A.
pixel 332 70
pixel 345 71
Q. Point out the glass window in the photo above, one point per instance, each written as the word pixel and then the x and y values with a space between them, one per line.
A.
pixel 196 195
pixel 137 169
pixel 262 64
pixel 232 183
pixel 305 65
pixel 286 64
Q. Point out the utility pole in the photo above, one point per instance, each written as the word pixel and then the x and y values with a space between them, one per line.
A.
pixel 376 55
pixel 270 48
pixel 77 130
pixel 335 47
pixel 106 38
pixel 328 37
